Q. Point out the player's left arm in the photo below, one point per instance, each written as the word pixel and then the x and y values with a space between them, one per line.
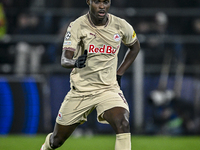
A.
pixel 129 57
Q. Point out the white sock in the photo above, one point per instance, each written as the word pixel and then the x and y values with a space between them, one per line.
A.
pixel 46 145
pixel 123 141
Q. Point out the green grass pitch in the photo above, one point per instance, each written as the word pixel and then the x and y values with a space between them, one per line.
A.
pixel 102 142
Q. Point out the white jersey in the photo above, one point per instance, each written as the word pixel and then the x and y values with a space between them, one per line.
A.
pixel 103 44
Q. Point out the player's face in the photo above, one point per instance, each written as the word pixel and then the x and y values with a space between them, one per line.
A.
pixel 98 9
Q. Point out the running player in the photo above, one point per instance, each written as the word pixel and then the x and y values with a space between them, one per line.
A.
pixel 90 47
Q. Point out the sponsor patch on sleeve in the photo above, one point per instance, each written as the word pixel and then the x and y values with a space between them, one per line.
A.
pixel 67 43
pixel 134 34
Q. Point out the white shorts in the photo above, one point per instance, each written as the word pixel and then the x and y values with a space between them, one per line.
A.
pixel 76 107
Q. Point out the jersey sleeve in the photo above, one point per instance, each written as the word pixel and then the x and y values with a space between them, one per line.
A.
pixel 129 35
pixel 71 39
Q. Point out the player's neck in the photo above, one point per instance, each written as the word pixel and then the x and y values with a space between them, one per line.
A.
pixel 98 22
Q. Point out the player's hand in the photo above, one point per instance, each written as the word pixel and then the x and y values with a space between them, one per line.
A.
pixel 119 79
pixel 80 62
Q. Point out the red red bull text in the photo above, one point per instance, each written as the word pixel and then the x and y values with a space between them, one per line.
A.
pixel 105 49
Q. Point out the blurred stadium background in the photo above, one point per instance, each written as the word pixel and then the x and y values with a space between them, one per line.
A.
pixel 162 86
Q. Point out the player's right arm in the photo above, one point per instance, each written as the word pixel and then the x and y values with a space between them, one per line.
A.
pixel 69 49
pixel 67 60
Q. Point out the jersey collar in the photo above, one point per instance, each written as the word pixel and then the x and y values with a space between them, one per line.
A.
pixel 90 20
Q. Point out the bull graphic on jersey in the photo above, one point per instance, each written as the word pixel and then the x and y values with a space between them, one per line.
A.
pixel 117 37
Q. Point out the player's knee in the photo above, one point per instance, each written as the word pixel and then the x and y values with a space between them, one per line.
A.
pixel 56 142
pixel 123 126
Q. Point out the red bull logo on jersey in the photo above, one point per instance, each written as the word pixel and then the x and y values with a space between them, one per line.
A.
pixel 106 49
pixel 60 116
pixel 117 37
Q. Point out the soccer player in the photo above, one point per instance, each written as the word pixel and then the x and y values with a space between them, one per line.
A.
pixel 90 47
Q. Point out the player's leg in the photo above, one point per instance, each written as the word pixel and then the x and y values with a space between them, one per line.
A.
pixel 118 118
pixel 60 134
pixel 73 112
pixel 58 137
